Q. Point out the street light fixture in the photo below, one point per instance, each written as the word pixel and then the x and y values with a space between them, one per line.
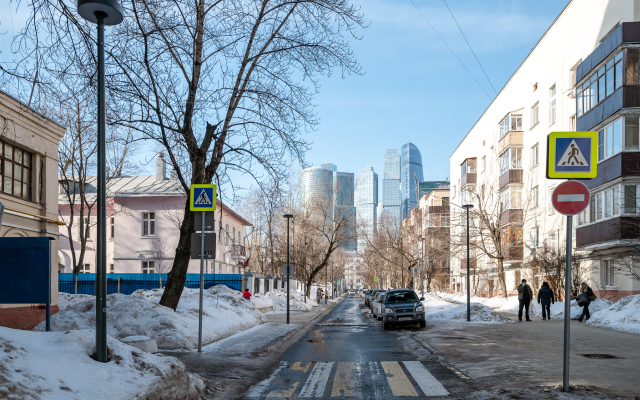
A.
pixel 101 12
pixel 288 217
pixel 468 207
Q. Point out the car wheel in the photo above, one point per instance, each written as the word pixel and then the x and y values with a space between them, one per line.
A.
pixel 385 326
pixel 379 318
pixel 423 324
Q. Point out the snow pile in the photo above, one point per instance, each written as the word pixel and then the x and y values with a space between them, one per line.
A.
pixel 624 315
pixel 499 303
pixel 225 312
pixel 57 365
pixel 67 299
pixel 296 301
pixel 557 309
pixel 479 313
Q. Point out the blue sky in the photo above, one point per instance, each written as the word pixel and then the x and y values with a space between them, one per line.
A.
pixel 413 88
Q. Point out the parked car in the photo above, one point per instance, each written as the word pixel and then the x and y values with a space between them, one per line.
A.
pixel 369 298
pixel 402 307
pixel 351 292
pixel 377 302
pixel 366 297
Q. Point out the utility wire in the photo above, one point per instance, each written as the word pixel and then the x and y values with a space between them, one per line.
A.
pixel 451 50
pixel 465 39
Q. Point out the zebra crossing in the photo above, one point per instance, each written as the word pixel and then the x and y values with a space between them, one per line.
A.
pixel 365 380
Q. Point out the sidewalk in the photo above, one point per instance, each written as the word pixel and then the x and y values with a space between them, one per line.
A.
pixel 521 354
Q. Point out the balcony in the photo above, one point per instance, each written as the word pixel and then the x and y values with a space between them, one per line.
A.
pixel 512 138
pixel 238 252
pixel 468 172
pixel 620 165
pixel 511 217
pixel 511 176
pixel 607 233
pixel 514 254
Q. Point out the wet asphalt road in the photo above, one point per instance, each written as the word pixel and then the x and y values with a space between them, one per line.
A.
pixel 347 354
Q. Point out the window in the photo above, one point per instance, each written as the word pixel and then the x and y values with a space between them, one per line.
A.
pixel 437 220
pixel 490 158
pixel 534 197
pixel 511 159
pixel 148 267
pixel 15 171
pixel 111 269
pixel 552 105
pixel 534 115
pixel 631 133
pixel 572 122
pixel 535 232
pixel 226 235
pixel 600 84
pixel 85 268
pixel 583 217
pixel 512 236
pixel 550 201
pixel 233 237
pixel 630 199
pixel 608 203
pixel 599 206
pixel 511 198
pixel 607 273
pixel 445 201
pixel 148 224
pixel 112 228
pixel 534 155
pixel 592 209
pixel 610 140
pixel 483 163
pixel 512 122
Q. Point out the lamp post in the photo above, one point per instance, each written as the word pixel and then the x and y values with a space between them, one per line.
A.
pixel 326 278
pixel 101 12
pixel 288 217
pixel 468 207
pixel 332 280
pixel 422 271
pixel 305 271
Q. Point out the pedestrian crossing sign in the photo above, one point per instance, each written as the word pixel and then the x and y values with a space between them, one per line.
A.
pixel 572 155
pixel 203 198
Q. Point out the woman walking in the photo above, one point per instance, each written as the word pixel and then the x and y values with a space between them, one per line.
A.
pixel 584 288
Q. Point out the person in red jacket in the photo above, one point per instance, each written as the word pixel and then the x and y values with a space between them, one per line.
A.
pixel 246 294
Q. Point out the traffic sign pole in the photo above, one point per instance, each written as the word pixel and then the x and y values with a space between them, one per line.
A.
pixel 201 284
pixel 567 306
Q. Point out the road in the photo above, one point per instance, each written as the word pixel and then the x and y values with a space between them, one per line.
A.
pixel 348 355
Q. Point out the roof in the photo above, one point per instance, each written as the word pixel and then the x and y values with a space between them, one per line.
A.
pixel 32 109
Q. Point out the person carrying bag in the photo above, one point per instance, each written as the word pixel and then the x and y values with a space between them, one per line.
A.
pixel 584 298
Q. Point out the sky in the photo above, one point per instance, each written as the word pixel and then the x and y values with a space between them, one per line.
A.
pixel 413 89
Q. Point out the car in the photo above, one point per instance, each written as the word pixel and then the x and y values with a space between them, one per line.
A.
pixel 369 298
pixel 377 302
pixel 402 307
pixel 366 297
pixel 351 292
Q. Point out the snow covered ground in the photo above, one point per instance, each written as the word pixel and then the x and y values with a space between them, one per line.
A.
pixel 437 309
pixel 225 312
pixel 278 300
pixel 623 315
pixel 58 365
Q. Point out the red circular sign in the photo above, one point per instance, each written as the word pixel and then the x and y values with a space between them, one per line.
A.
pixel 570 198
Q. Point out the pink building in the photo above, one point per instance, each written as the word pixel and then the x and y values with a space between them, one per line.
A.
pixel 145 213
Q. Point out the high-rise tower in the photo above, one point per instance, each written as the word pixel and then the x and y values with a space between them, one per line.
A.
pixel 366 205
pixel 391 199
pixel 411 176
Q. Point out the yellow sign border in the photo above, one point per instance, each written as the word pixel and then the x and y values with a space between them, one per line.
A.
pixel 213 201
pixel 551 150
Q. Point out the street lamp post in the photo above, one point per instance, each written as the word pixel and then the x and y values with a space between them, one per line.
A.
pixel 288 217
pixel 101 12
pixel 468 207
pixel 305 271
pixel 422 271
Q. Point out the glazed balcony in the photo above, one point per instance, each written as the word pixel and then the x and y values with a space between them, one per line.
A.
pixel 511 139
pixel 610 233
pixel 468 175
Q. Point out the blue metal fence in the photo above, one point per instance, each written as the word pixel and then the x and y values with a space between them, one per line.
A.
pixel 129 283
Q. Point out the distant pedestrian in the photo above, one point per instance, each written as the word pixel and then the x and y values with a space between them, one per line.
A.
pixel 319 295
pixel 525 296
pixel 584 288
pixel 246 294
pixel 545 297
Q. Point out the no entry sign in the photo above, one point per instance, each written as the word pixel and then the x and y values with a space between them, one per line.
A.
pixel 570 198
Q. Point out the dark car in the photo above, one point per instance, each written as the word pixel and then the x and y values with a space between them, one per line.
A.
pixel 370 297
pixel 402 307
pixel 366 297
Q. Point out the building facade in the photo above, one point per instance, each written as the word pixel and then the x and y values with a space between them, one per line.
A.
pixel 426 187
pixel 366 205
pixel 580 75
pixel 411 175
pixel 434 208
pixel 29 163
pixel 391 195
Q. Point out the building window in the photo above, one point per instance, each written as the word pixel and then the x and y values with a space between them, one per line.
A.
pixel 600 85
pixel 111 269
pixel 226 235
pixel 610 140
pixel 572 122
pixel 552 105
pixel 631 133
pixel 550 201
pixel 490 158
pixel 511 198
pixel 535 232
pixel 112 227
pixel 483 163
pixel 534 115
pixel 511 236
pixel 148 267
pixel 598 206
pixel 511 159
pixel 85 268
pixel 630 199
pixel 512 122
pixel 148 224
pixel 534 155
pixel 534 197
pixel 15 171
pixel 607 273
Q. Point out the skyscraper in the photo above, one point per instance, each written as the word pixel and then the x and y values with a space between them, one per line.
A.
pixel 411 176
pixel 366 205
pixel 391 199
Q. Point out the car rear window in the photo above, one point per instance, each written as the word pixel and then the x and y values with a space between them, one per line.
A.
pixel 401 297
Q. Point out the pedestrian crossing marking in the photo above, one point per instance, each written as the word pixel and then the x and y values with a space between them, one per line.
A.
pixel 372 379
pixel 429 385
pixel 398 381
pixel 317 381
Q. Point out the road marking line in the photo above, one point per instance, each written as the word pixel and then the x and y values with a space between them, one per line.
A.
pixel 297 366
pixel 398 381
pixel 257 389
pixel 344 382
pixel 317 381
pixel 428 383
pixel 377 380
pixel 562 198
pixel 284 392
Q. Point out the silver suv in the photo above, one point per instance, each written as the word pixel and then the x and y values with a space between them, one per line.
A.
pixel 402 306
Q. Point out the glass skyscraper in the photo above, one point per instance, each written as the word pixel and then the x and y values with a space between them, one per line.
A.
pixel 427 186
pixel 366 204
pixel 391 198
pixel 411 176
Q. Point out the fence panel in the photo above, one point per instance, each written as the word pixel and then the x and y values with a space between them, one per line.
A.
pixel 129 283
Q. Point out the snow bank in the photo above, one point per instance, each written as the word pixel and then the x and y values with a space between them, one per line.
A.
pixel 499 303
pixel 624 315
pixel 225 312
pixel 57 365
pixel 479 313
pixel 278 300
pixel 557 310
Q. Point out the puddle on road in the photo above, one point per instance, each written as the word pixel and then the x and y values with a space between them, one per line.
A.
pixel 316 341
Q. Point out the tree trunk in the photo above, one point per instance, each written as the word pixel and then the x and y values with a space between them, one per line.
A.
pixel 177 277
pixel 501 278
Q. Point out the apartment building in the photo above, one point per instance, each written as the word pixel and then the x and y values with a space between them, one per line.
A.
pixel 499 167
pixel 434 207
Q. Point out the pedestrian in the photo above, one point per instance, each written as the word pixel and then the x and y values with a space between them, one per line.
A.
pixel 545 297
pixel 246 294
pixel 525 296
pixel 319 295
pixel 590 297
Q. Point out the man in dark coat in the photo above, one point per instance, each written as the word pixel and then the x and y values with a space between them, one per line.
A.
pixel 590 297
pixel 525 295
pixel 545 297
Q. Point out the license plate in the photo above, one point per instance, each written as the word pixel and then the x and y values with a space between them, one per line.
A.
pixel 405 319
